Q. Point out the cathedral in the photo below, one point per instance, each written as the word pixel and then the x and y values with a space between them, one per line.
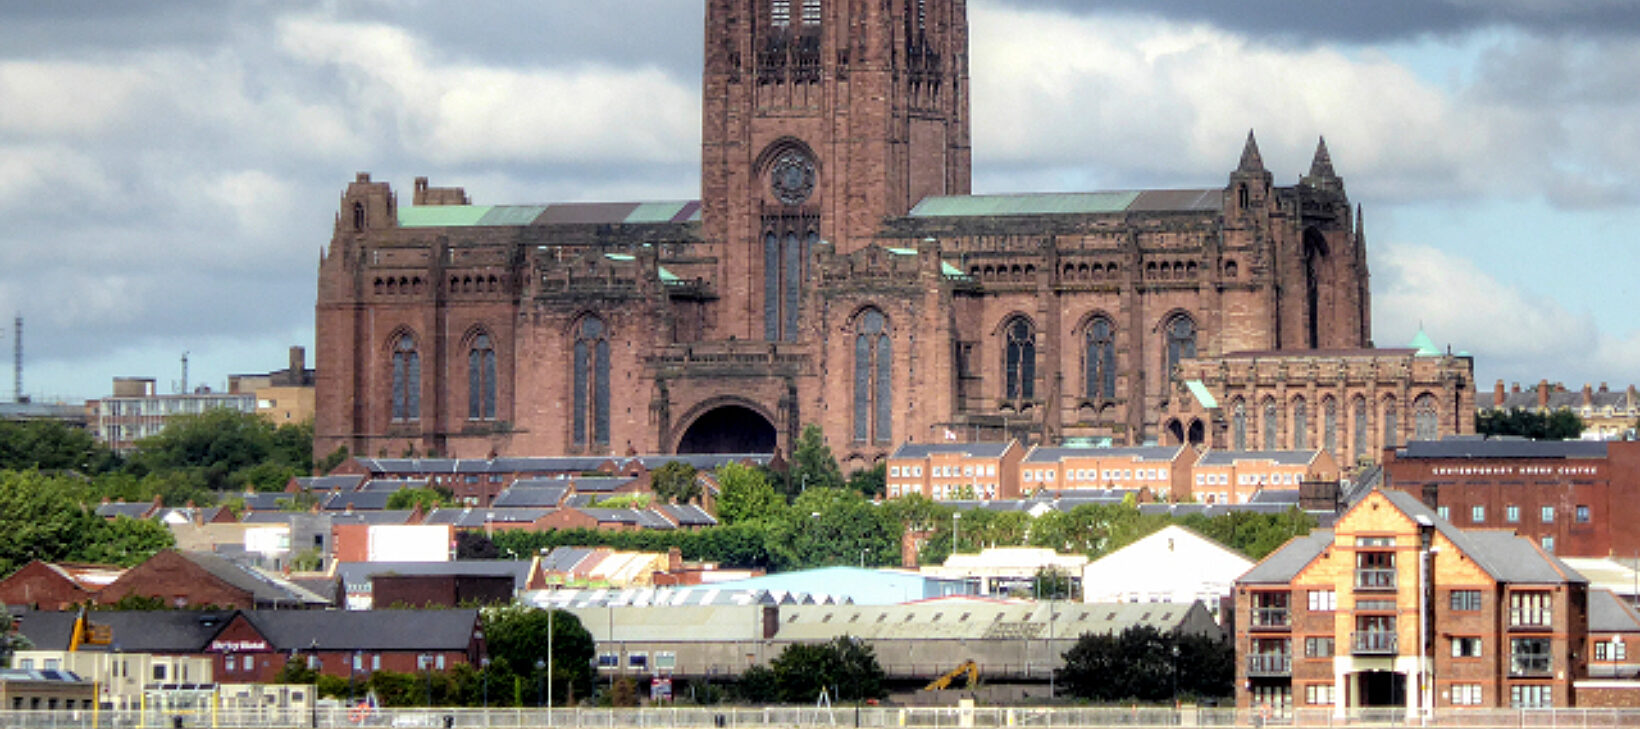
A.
pixel 837 270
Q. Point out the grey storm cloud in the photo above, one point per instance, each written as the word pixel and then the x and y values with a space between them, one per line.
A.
pixel 1297 22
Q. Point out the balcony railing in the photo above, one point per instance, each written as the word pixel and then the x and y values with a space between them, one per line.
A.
pixel 1373 643
pixel 1375 578
pixel 1272 619
pixel 1530 664
pixel 1270 664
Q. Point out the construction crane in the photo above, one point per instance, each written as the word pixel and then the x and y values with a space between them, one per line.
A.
pixel 966 667
pixel 89 633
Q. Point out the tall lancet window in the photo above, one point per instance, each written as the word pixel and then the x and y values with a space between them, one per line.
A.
pixel 811 12
pixel 1181 341
pixel 1100 360
pixel 591 420
pixel 780 13
pixel 1019 360
pixel 481 379
pixel 406 379
pixel 873 379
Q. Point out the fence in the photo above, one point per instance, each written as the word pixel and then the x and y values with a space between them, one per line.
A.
pixel 789 717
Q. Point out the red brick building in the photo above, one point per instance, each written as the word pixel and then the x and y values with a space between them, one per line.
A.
pixel 835 271
pixel 1397 608
pixel 1574 498
pixel 56 586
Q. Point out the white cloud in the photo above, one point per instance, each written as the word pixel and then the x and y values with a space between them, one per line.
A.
pixel 1513 333
pixel 456 113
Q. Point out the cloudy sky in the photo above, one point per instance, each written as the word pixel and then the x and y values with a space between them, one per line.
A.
pixel 169 170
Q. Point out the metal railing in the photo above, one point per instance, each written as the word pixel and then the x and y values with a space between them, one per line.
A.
pixel 1271 618
pixel 1373 642
pixel 788 717
pixel 1270 664
pixel 1374 578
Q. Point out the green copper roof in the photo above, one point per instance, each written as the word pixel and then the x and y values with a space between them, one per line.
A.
pixel 1425 347
pixel 455 216
pixel 1037 204
pixel 1202 395
pixel 441 216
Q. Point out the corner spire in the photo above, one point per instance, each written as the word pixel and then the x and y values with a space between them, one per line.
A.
pixel 1251 160
pixel 1321 166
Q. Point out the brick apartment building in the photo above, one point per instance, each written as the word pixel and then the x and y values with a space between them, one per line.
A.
pixel 1574 498
pixel 836 270
pixel 1397 608
pixel 1162 470
pixel 956 471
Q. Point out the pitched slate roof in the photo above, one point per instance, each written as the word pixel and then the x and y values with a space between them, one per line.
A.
pixel 531 496
pixel 134 511
pixel 569 464
pixel 969 450
pixel 1282 565
pixel 1609 614
pixel 329 483
pixel 1284 458
pixel 1042 454
pixel 359 500
pixel 368 630
pixel 391 485
pixel 477 518
pixel 701 461
pixel 1503 555
pixel 137 631
pixel 265 588
pixel 688 515
pixel 1502 448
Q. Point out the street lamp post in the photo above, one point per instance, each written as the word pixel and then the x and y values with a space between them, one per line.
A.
pixel 549 665
pixel 484 667
pixel 541 689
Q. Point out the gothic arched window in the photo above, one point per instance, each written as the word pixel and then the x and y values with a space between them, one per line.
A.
pixel 1100 351
pixel 1181 341
pixel 1238 424
pixel 481 379
pixel 1301 426
pixel 1272 426
pixel 1361 443
pixel 406 379
pixel 591 382
pixel 1425 423
pixel 1019 360
pixel 873 379
pixel 1392 426
pixel 1329 426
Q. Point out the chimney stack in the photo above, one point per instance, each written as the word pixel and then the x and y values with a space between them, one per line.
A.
pixel 1588 395
pixel 1543 394
pixel 1498 395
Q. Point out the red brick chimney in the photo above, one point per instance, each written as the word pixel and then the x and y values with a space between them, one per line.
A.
pixel 1588 395
pixel 1514 387
pixel 1543 394
pixel 1498 395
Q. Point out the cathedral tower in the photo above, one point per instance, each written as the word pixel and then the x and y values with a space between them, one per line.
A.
pixel 821 118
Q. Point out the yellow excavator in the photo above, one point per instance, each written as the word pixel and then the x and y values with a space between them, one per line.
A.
pixel 89 633
pixel 968 668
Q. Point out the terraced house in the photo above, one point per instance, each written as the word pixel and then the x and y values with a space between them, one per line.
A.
pixel 1395 607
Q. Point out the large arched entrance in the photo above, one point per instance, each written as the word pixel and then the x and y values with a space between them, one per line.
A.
pixel 729 429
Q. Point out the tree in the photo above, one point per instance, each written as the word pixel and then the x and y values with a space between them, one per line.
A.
pixel 833 526
pixel 41 517
pixel 1052 583
pixel 474 545
pixel 744 494
pixel 517 637
pixel 675 482
pixel 427 499
pixel 1140 663
pixel 845 666
pixel 125 542
pixel 813 466
pixel 1562 424
pixel 51 445
pixel 872 482
pixel 758 685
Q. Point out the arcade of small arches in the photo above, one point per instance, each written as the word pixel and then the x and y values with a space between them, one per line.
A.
pixel 1264 429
